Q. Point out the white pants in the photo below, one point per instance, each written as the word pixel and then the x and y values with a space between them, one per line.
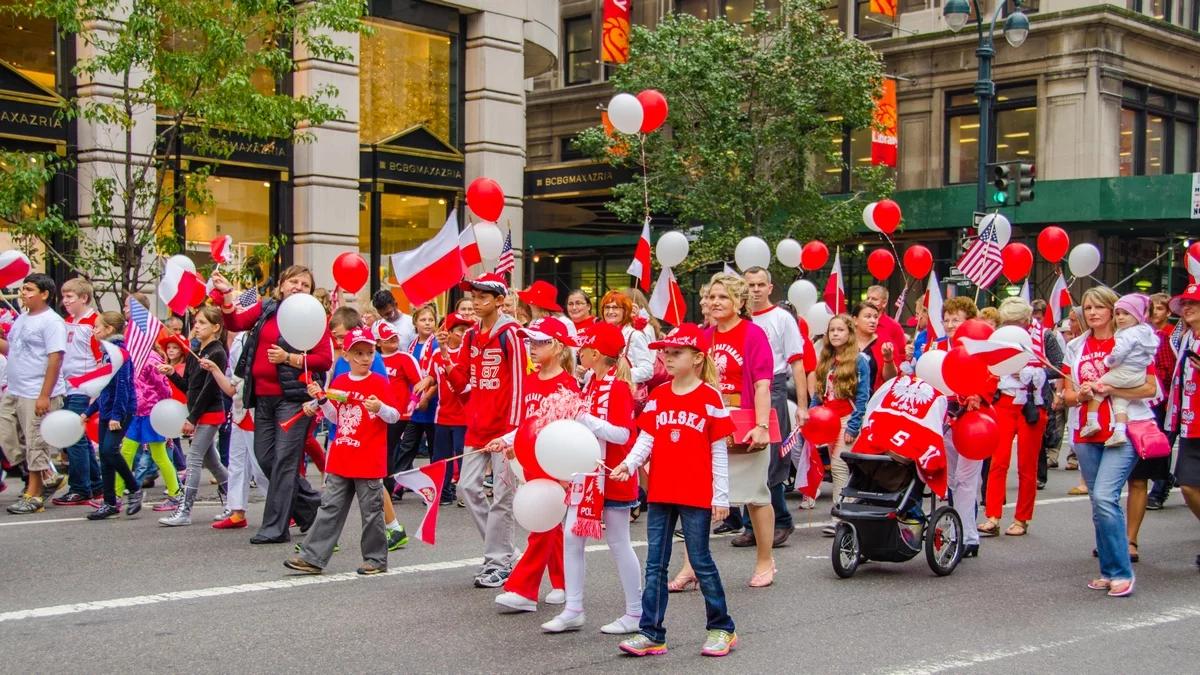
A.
pixel 964 477
pixel 629 570
pixel 242 465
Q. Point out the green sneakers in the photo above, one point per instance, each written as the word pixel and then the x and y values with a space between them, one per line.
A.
pixel 397 539
pixel 719 643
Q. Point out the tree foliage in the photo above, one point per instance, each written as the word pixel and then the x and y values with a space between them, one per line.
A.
pixel 752 107
pixel 208 71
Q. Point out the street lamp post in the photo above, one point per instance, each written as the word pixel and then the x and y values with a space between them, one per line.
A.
pixel 1016 29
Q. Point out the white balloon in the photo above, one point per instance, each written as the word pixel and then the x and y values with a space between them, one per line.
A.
pixel 929 368
pixel 565 448
pixel 869 217
pixel 61 429
pixel 1083 260
pixel 167 417
pixel 1003 227
pixel 626 113
pixel 788 253
pixel 817 317
pixel 752 252
pixel 802 295
pixel 182 261
pixel 539 505
pixel 1014 335
pixel 671 248
pixel 301 320
pixel 490 240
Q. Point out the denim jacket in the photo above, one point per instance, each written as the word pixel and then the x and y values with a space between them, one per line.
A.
pixel 862 394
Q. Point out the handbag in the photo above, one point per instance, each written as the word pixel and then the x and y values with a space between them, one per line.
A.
pixel 1147 439
pixel 743 423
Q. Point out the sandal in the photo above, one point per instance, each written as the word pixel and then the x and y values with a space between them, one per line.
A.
pixel 680 585
pixel 1099 584
pixel 1078 490
pixel 989 528
pixel 1019 528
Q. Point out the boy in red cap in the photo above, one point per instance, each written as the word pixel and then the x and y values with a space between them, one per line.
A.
pixel 363 405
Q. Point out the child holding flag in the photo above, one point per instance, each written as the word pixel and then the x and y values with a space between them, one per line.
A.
pixel 115 405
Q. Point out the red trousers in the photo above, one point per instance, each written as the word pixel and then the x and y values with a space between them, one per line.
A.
pixel 1009 424
pixel 543 550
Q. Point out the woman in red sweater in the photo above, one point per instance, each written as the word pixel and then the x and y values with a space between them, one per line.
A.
pixel 275 388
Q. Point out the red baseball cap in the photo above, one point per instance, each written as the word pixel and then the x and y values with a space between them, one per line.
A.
pixel 356 336
pixel 454 320
pixel 541 294
pixel 1192 293
pixel 384 331
pixel 604 338
pixel 685 335
pixel 549 327
pixel 490 283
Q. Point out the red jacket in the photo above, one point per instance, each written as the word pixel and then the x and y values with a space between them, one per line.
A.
pixel 611 400
pixel 493 365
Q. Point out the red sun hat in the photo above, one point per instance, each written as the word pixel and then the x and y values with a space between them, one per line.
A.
pixel 454 320
pixel 490 283
pixel 384 331
pixel 686 335
pixel 177 339
pixel 1192 293
pixel 357 336
pixel 550 328
pixel 541 294
pixel 604 338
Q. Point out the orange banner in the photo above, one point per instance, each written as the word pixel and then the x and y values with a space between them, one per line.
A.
pixel 884 132
pixel 614 32
pixel 884 7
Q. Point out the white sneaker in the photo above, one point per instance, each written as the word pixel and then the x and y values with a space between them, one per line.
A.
pixel 561 625
pixel 516 602
pixel 807 503
pixel 1118 438
pixel 222 515
pixel 622 626
pixel 1089 429
pixel 556 596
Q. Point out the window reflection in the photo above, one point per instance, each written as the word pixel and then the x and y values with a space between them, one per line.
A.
pixel 404 82
pixel 29 46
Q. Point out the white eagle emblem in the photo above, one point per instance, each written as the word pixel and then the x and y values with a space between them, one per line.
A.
pixel 349 417
pixel 675 435
pixel 909 394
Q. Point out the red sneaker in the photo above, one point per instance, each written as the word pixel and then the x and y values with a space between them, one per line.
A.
pixel 229 524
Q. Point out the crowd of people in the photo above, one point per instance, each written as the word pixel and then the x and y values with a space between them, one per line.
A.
pixel 684 419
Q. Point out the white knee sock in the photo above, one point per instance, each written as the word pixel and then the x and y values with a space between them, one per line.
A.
pixel 574 566
pixel 616 528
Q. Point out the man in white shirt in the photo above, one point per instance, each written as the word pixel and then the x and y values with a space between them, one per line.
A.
pixel 385 307
pixel 34 346
pixel 787 346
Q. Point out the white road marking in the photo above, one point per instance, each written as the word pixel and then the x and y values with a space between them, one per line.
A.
pixel 968 659
pixel 40 521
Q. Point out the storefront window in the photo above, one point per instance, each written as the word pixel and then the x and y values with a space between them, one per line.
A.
pixel 580 57
pixel 404 82
pixel 29 46
pixel 241 208
pixel 33 210
pixel 1012 136
pixel 405 222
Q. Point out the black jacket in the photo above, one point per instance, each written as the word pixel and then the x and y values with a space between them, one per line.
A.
pixel 203 394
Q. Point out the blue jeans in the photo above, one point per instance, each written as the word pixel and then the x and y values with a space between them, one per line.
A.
pixel 448 442
pixel 83 470
pixel 660 527
pixel 1105 471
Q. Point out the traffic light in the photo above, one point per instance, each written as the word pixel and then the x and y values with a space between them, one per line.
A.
pixel 1001 178
pixel 1026 177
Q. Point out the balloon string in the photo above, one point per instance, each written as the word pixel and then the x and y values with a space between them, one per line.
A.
pixel 645 177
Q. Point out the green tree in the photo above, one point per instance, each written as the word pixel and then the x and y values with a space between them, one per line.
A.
pixel 207 70
pixel 752 108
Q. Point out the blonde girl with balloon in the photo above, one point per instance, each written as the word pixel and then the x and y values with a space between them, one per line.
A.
pixel 550 350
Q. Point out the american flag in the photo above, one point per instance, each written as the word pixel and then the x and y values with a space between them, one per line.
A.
pixel 506 262
pixel 982 262
pixel 143 330
pixel 246 298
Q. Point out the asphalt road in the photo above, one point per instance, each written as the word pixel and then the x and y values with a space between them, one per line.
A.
pixel 126 595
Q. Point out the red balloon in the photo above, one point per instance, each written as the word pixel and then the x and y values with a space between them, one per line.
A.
pixel 654 110
pixel 974 434
pixel 485 198
pixel 918 261
pixel 91 428
pixel 1017 260
pixel 976 329
pixel 966 375
pixel 350 272
pixel 523 448
pixel 1053 243
pixel 881 263
pixel 887 216
pixel 813 256
pixel 823 426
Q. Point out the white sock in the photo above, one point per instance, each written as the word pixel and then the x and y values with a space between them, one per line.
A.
pixel 574 566
pixel 629 570
pixel 1093 419
pixel 394 525
pixel 1118 427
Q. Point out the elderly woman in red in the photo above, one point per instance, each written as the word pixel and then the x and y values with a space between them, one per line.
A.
pixel 274 375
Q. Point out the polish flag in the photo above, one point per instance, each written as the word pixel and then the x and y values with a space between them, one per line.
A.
pixel 1060 299
pixel 427 482
pixel 14 267
pixel 468 247
pixel 432 268
pixel 993 352
pixel 221 249
pixel 933 306
pixel 181 288
pixel 835 293
pixel 666 302
pixel 93 381
pixel 640 267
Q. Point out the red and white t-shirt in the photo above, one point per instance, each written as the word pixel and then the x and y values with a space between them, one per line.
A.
pixel 684 428
pixel 450 401
pixel 535 390
pixel 783 332
pixel 403 373
pixel 360 449
pixel 906 417
pixel 1090 369
pixel 83 349
pixel 726 353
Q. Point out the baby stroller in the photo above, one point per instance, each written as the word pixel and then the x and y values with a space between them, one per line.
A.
pixel 881 518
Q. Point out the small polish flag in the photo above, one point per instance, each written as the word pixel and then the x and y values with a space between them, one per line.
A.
pixel 432 268
pixel 933 305
pixel 181 288
pixel 468 247
pixel 14 267
pixel 640 267
pixel 667 302
pixel 427 482
pixel 835 293
pixel 221 249
pixel 95 380
pixel 993 352
pixel 1060 299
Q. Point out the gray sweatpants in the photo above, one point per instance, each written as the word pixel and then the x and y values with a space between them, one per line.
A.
pixel 331 518
pixel 202 454
pixel 494 520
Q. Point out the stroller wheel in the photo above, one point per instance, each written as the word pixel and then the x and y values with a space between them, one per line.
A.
pixel 944 541
pixel 847 553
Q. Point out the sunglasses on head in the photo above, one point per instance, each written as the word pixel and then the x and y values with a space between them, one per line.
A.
pixel 540 343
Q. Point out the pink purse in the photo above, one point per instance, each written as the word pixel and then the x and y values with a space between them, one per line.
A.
pixel 1148 440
